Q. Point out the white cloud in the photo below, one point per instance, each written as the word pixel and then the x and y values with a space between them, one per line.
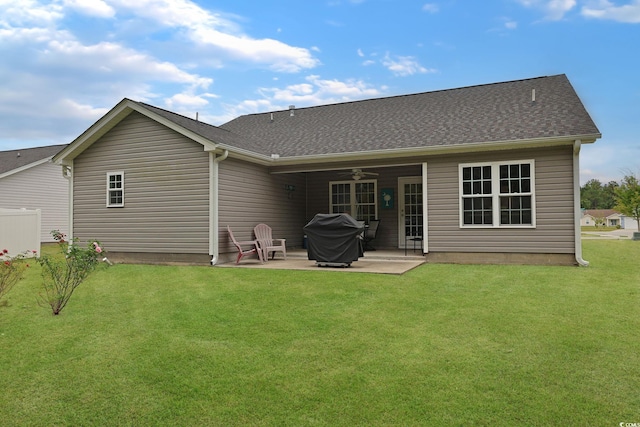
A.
pixel 553 9
pixel 404 66
pixel 114 59
pixel 187 103
pixel 211 30
pixel 360 53
pixel 317 91
pixel 314 91
pixel 78 110
pixel 431 8
pixel 96 8
pixel 511 25
pixel 28 12
pixel 604 9
pixel 63 83
pixel 66 79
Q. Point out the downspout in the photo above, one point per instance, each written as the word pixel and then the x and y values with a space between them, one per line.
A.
pixel 214 244
pixel 576 203
pixel 67 173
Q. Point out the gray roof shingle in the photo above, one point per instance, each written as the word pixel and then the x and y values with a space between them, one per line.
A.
pixel 14 159
pixel 210 132
pixel 475 114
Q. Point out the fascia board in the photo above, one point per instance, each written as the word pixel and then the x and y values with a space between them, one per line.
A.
pixel 431 151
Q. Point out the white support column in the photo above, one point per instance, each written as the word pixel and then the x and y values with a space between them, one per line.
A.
pixel 425 215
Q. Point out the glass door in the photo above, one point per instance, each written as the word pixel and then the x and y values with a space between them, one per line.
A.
pixel 410 211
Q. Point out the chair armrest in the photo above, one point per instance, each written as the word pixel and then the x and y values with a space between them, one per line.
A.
pixel 248 243
pixel 280 240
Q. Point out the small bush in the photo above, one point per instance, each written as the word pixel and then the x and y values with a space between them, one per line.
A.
pixel 11 270
pixel 63 274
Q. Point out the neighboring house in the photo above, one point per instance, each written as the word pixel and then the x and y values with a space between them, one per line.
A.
pixel 28 179
pixel 486 174
pixel 610 218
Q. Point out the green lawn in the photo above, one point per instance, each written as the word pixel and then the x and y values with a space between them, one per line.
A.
pixel 440 345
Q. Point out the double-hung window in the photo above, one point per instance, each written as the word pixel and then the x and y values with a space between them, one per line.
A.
pixel 115 189
pixel 497 194
pixel 357 198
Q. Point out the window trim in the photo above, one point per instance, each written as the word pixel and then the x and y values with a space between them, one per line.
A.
pixel 110 190
pixel 352 189
pixel 495 194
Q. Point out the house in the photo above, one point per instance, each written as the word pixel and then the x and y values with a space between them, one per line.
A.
pixel 481 174
pixel 608 218
pixel 28 179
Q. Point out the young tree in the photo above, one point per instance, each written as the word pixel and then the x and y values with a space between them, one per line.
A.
pixel 628 197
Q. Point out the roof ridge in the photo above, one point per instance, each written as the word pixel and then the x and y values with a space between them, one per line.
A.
pixel 405 95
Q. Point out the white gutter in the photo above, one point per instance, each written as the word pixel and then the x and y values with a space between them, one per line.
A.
pixel 214 244
pixel 576 203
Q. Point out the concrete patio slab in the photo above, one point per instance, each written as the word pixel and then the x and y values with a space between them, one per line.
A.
pixel 380 263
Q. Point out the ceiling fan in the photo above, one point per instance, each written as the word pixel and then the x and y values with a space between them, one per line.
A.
pixel 357 174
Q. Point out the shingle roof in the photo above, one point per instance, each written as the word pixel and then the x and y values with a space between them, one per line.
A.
pixel 14 159
pixel 601 213
pixel 476 114
pixel 210 132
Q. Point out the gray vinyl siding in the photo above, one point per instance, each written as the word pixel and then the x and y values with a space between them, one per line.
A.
pixel 554 206
pixel 166 190
pixel 554 232
pixel 40 187
pixel 250 195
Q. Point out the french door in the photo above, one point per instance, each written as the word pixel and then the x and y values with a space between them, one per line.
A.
pixel 410 212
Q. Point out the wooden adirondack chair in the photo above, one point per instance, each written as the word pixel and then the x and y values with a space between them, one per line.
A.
pixel 266 243
pixel 243 247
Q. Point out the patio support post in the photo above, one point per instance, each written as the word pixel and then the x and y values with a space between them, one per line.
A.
pixel 425 216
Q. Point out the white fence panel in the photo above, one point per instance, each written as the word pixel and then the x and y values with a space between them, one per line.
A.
pixel 20 230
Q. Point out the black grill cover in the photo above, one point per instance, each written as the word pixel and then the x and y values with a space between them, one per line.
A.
pixel 334 238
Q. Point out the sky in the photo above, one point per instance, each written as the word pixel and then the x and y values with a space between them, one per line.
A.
pixel 65 63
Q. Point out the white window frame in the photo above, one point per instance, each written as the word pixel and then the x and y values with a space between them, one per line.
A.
pixel 110 190
pixel 352 198
pixel 496 194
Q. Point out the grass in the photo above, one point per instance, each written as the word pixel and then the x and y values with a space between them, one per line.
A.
pixel 442 344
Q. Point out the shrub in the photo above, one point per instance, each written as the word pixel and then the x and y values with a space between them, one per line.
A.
pixel 11 270
pixel 63 274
